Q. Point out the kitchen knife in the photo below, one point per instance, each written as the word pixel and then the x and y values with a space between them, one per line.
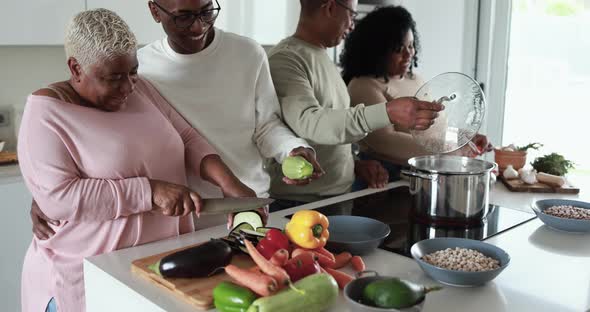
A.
pixel 212 206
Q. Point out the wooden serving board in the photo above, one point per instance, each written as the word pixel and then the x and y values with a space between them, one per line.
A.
pixel 516 185
pixel 198 292
pixel 8 158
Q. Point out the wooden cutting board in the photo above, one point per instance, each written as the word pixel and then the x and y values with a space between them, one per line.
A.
pixel 8 158
pixel 198 292
pixel 516 185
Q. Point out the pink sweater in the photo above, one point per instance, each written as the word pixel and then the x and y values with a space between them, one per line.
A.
pixel 90 169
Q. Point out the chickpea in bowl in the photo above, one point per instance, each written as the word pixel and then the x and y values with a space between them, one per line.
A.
pixel 460 262
pixel 564 214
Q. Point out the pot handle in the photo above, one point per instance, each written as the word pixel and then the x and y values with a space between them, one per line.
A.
pixel 366 273
pixel 418 175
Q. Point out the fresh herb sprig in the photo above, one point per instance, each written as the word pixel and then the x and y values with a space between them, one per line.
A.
pixel 553 164
pixel 534 146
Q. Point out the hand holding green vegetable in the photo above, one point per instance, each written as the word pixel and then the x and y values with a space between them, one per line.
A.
pixel 300 170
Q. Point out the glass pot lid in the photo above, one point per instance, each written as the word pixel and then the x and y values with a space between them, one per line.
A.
pixel 465 107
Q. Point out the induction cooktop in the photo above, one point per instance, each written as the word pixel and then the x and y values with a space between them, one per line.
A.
pixel 394 207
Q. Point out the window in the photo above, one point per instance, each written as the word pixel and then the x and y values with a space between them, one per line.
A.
pixel 547 75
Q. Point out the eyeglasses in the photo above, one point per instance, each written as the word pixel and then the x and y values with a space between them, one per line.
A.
pixel 187 20
pixel 353 13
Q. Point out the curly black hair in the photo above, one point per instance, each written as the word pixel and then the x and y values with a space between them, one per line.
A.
pixel 369 46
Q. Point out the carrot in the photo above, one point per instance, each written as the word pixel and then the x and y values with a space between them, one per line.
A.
pixel 342 260
pixel 280 257
pixel 259 283
pixel 266 266
pixel 322 254
pixel 341 278
pixel 325 252
pixel 357 263
pixel 299 251
pixel 324 260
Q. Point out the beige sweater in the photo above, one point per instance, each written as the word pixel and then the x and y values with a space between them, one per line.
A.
pixel 390 144
pixel 315 104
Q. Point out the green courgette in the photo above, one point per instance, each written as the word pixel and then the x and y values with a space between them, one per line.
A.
pixel 318 292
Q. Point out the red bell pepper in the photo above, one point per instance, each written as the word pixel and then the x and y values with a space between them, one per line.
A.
pixel 302 265
pixel 272 241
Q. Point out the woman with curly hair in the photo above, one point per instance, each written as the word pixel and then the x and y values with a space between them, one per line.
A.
pixel 378 61
pixel 378 64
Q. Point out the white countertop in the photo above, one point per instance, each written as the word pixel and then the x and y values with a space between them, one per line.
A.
pixel 549 270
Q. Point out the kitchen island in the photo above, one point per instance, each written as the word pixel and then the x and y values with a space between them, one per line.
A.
pixel 549 270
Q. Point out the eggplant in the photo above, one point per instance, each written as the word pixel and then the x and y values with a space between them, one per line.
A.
pixel 199 261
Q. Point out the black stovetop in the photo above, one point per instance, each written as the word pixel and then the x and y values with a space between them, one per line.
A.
pixel 393 207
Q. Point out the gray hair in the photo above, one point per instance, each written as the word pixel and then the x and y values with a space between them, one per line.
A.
pixel 97 35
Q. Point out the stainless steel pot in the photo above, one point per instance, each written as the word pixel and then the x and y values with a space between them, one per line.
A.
pixel 449 187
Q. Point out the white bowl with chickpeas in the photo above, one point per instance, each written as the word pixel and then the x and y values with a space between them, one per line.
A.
pixel 563 214
pixel 460 262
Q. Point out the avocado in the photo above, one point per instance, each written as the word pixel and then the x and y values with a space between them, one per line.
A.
pixel 394 293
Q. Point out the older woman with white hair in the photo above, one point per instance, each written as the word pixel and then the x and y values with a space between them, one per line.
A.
pixel 105 155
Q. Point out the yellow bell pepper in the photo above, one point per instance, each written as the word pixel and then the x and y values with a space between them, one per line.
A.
pixel 308 229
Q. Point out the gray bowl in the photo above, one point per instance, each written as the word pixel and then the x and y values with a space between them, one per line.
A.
pixel 562 224
pixel 353 292
pixel 357 235
pixel 458 278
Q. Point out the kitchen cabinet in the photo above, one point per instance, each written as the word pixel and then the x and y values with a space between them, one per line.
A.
pixel 39 22
pixel 15 236
pixel 137 15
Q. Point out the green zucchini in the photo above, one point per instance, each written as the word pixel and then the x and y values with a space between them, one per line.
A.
pixel 320 291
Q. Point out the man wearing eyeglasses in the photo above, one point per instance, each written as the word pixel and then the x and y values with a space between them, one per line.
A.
pixel 316 105
pixel 220 82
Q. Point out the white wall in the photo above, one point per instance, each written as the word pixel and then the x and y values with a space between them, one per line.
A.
pixel 266 21
pixel 447 33
pixel 22 71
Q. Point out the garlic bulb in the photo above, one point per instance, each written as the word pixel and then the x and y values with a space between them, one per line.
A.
pixel 509 173
pixel 529 177
pixel 509 148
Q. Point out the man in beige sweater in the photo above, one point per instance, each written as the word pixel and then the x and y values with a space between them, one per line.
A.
pixel 316 105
